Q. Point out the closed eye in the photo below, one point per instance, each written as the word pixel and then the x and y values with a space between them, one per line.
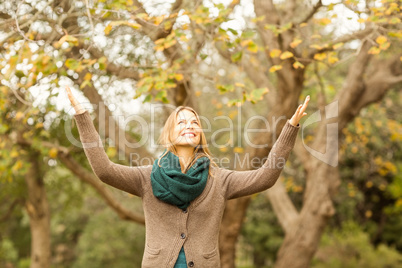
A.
pixel 183 122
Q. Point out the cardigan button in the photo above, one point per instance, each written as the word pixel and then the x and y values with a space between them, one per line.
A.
pixel 191 263
pixel 184 210
pixel 183 235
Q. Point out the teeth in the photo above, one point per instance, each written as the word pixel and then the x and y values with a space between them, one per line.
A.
pixel 190 135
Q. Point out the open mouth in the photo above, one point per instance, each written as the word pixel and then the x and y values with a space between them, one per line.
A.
pixel 190 135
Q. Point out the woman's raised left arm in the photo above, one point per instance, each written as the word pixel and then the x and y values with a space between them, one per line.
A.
pixel 236 184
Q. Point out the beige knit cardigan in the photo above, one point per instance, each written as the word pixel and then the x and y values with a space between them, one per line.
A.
pixel 168 228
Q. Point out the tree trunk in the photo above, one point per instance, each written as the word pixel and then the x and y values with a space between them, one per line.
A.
pixel 37 207
pixel 230 228
pixel 301 243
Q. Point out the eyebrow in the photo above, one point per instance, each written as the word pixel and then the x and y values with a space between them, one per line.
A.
pixel 186 120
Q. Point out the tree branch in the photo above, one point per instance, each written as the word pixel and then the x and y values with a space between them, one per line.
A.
pixel 283 206
pixel 343 39
pixel 312 13
pixel 89 178
pixel 10 210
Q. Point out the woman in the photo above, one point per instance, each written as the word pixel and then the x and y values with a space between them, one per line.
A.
pixel 184 192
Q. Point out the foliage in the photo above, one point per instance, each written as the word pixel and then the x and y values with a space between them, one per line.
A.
pixel 371 159
pixel 109 242
pixel 261 232
pixel 350 247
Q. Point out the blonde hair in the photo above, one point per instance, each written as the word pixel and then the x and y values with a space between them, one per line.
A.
pixel 165 139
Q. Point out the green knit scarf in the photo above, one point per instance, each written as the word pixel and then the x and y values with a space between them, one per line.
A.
pixel 172 186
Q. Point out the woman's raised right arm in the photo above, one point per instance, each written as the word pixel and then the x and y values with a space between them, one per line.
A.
pixel 129 179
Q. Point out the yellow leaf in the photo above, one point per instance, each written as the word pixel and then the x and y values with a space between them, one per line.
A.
pixel 385 46
pixel 53 152
pixel 159 19
pixel 160 41
pixel 111 152
pixel 298 65
pixel 19 115
pixel 108 29
pixel 301 25
pixel 233 114
pixel 252 47
pixel 239 85
pixel 134 25
pixel 178 77
pixel 320 56
pixel 286 55
pixel 374 50
pixel 337 45
pixel 295 43
pixel 14 154
pixel 332 59
pixel 39 125
pixel 369 184
pixel 17 165
pixel 381 39
pixel 316 46
pixel 245 43
pixel 324 21
pixel 170 43
pixel 361 20
pixel 87 76
pixel 198 93
pixel 159 48
pixel 275 68
pixel 238 150
pixel 223 149
pixel 274 53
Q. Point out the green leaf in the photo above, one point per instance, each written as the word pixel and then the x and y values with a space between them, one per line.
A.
pixel 233 102
pixel 237 56
pixel 148 98
pixel 86 83
pixel 203 56
pixel 233 31
pixel 161 94
pixel 225 88
pixel 72 64
pixel 252 47
pixel 247 34
pixel 256 94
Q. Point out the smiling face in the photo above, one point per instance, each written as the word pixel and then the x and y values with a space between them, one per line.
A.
pixel 187 129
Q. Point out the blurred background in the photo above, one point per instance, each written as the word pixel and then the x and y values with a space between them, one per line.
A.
pixel 239 64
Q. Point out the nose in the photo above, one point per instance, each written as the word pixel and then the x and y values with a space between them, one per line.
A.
pixel 189 125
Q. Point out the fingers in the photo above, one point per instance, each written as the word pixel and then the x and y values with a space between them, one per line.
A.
pixel 304 107
pixel 70 96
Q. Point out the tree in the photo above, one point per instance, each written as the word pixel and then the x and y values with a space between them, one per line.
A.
pixel 279 52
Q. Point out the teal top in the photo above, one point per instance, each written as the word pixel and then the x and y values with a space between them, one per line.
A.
pixel 181 260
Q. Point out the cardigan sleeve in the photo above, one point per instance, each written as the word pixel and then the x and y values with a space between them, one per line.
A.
pixel 126 178
pixel 236 184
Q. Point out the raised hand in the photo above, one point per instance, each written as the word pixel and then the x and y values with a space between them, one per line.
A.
pixel 299 112
pixel 77 107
